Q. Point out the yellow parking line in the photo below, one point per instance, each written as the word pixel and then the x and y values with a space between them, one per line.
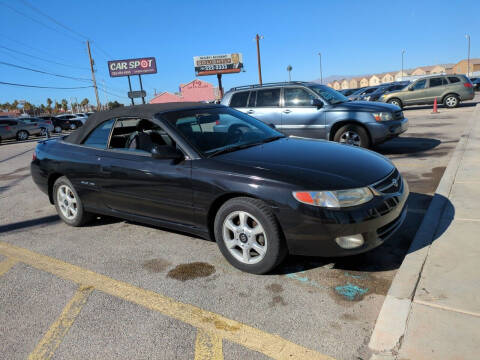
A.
pixel 208 346
pixel 6 265
pixel 57 331
pixel 250 337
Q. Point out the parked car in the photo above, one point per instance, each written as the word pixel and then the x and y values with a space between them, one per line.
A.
pixel 259 194
pixel 11 128
pixel 361 93
pixel 73 121
pixel 476 83
pixel 44 124
pixel 60 124
pixel 448 89
pixel 317 111
pixel 385 88
pixel 347 92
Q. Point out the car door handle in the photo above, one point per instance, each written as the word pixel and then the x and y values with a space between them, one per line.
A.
pixel 287 111
pixel 250 112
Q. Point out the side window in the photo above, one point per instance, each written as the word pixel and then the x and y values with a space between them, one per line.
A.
pixel 138 135
pixel 268 98
pixel 98 138
pixel 239 99
pixel 419 84
pixel 297 97
pixel 453 79
pixel 252 99
pixel 436 82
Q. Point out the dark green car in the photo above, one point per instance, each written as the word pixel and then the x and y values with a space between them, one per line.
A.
pixel 449 90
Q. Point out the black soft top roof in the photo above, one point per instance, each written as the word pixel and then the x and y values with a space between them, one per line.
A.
pixel 141 111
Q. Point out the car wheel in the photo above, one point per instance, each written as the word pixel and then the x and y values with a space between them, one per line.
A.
pixel 451 101
pixel 22 135
pixel 248 235
pixel 57 129
pixel 351 134
pixel 68 204
pixel 73 126
pixel 396 102
pixel 43 131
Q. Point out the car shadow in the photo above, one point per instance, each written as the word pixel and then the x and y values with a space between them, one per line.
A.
pixel 440 106
pixel 388 256
pixel 407 145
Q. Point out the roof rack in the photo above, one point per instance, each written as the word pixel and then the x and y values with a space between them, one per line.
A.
pixel 266 84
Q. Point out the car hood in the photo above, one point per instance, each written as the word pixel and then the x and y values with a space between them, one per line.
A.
pixel 310 164
pixel 363 106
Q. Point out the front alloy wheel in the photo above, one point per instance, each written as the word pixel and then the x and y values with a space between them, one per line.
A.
pixel 249 236
pixel 244 237
pixel 350 137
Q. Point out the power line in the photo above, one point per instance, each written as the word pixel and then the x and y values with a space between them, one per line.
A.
pixel 37 21
pixel 45 87
pixel 44 72
pixel 39 58
pixel 54 20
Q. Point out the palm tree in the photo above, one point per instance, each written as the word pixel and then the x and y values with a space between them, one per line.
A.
pixel 49 105
pixel 64 105
pixel 84 103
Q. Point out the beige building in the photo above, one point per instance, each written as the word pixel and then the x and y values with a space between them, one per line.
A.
pixel 461 66
pixel 344 84
pixel 353 83
pixel 422 70
pixel 442 69
pixel 336 85
pixel 387 77
pixel 374 80
pixel 363 82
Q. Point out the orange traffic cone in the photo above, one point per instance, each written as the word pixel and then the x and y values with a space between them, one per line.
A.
pixel 435 111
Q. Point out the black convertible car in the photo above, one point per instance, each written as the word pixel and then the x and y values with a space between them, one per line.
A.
pixel 259 194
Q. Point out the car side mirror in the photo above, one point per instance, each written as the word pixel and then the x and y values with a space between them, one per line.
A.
pixel 271 125
pixel 318 103
pixel 166 152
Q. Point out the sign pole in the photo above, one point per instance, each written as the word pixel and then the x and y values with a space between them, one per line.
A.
pixel 141 88
pixel 220 88
pixel 130 86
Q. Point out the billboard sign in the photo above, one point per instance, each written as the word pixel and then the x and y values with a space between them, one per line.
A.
pixel 128 67
pixel 218 64
pixel 137 94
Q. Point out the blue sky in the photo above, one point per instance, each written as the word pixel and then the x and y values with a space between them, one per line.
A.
pixel 354 37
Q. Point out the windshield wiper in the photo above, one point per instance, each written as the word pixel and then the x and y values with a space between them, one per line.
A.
pixel 244 146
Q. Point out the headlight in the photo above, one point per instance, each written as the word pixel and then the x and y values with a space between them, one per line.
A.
pixel 334 199
pixel 382 116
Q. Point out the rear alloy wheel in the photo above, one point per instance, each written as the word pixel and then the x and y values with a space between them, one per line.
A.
pixel 68 204
pixel 451 101
pixel 248 235
pixel 73 127
pixel 352 135
pixel 22 135
pixel 58 129
pixel 396 102
pixel 43 131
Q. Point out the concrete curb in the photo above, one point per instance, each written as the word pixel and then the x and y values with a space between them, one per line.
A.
pixel 392 320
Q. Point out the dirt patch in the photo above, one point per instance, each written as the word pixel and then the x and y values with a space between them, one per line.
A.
pixel 274 288
pixel 277 300
pixel 348 317
pixel 156 265
pixel 184 272
pixel 13 174
pixel 222 325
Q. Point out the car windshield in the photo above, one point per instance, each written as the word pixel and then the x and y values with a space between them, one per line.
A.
pixel 328 94
pixel 219 130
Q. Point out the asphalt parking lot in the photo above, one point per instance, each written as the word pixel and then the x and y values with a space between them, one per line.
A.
pixel 116 289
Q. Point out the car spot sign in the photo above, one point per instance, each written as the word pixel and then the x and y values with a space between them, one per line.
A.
pixel 130 67
pixel 218 64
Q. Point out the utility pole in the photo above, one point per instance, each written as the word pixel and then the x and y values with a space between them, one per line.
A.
pixel 93 75
pixel 468 58
pixel 258 37
pixel 403 53
pixel 106 95
pixel 289 69
pixel 321 74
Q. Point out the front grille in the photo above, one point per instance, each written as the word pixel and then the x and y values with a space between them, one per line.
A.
pixel 385 231
pixel 393 183
pixel 398 115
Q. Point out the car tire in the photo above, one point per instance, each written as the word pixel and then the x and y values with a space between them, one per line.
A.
pixel 43 131
pixel 68 204
pixel 22 135
pixel 396 102
pixel 352 134
pixel 254 244
pixel 58 129
pixel 73 127
pixel 451 101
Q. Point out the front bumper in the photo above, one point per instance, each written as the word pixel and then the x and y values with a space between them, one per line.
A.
pixel 312 230
pixel 384 130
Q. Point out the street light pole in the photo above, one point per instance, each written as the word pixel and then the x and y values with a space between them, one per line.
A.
pixel 403 53
pixel 289 69
pixel 468 58
pixel 258 37
pixel 321 74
